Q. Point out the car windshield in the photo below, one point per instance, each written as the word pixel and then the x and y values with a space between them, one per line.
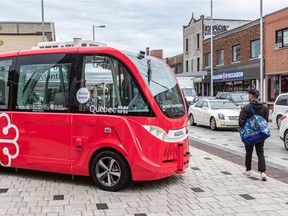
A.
pixel 189 92
pixel 162 84
pixel 222 105
pixel 239 97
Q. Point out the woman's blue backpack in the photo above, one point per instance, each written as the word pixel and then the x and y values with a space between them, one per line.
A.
pixel 255 130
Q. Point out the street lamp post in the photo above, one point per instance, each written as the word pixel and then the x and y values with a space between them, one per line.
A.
pixel 261 52
pixel 211 42
pixel 42 9
pixel 101 26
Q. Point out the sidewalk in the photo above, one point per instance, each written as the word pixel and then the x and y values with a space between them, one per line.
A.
pixel 211 186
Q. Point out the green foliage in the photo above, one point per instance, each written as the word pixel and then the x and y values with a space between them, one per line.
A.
pixel 1 42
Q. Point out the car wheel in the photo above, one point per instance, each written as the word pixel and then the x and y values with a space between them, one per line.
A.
pixel 213 124
pixel 191 120
pixel 278 121
pixel 110 171
pixel 286 140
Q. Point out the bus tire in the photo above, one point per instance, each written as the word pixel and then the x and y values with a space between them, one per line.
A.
pixel 110 171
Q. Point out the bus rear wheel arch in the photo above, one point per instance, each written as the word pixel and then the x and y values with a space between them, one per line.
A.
pixel 110 171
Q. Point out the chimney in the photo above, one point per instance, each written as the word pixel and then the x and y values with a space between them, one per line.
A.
pixel 77 42
pixel 147 51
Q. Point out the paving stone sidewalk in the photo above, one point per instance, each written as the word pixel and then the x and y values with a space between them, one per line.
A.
pixel 211 186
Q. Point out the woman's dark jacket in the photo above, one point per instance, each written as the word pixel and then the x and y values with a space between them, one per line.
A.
pixel 246 112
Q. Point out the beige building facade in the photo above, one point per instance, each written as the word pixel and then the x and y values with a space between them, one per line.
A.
pixel 24 35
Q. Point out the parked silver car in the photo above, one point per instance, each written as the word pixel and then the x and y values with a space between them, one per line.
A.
pixel 239 98
pixel 214 113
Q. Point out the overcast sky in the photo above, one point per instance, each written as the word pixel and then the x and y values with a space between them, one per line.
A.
pixel 131 24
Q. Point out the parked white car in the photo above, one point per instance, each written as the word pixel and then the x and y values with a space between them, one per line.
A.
pixel 283 130
pixel 214 113
pixel 280 108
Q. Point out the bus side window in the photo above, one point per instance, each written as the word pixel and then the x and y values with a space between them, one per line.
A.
pixel 5 66
pixel 43 87
pixel 111 87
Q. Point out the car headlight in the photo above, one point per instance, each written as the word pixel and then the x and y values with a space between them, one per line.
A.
pixel 221 116
pixel 240 106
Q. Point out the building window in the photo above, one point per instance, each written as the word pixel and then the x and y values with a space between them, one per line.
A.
pixel 198 64
pixel 273 87
pixel 198 41
pixel 220 57
pixel 255 49
pixel 191 64
pixel 236 53
pixel 187 66
pixel 284 83
pixel 186 44
pixel 207 59
pixel 282 38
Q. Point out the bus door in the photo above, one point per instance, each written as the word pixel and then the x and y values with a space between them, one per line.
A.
pixel 41 113
pixel 104 92
pixel 93 92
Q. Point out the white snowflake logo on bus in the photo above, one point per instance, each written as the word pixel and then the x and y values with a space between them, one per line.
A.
pixel 9 134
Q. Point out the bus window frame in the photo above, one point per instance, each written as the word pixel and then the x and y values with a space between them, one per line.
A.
pixel 64 58
pixel 81 81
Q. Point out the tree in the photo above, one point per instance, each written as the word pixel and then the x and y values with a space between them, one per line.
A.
pixel 1 42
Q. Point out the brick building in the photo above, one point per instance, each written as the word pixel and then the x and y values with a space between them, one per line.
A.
pixel 193 35
pixel 176 63
pixel 158 53
pixel 276 53
pixel 235 59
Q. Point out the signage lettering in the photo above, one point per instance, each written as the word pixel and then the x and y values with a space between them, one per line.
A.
pixel 102 109
pixel 217 29
pixel 229 75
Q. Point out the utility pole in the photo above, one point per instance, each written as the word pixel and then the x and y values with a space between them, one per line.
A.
pixel 261 52
pixel 211 53
pixel 43 33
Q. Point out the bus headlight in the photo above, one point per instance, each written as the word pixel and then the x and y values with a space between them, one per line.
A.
pixel 171 136
pixel 156 131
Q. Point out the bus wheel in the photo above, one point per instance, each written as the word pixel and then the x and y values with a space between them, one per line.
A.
pixel 110 171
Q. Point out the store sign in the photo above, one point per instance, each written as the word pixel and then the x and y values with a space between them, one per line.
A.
pixel 227 76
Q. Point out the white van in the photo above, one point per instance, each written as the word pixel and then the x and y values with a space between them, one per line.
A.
pixel 187 86
pixel 280 108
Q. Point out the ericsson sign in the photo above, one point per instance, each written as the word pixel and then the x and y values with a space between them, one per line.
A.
pixel 228 76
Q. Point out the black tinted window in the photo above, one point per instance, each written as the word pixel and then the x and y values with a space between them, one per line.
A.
pixel 5 67
pixel 222 96
pixel 43 83
pixel 199 104
pixel 205 104
pixel 282 100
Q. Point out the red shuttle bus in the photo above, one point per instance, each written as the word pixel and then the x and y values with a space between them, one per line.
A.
pixel 114 116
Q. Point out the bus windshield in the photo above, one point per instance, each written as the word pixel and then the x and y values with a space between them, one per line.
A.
pixel 162 84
